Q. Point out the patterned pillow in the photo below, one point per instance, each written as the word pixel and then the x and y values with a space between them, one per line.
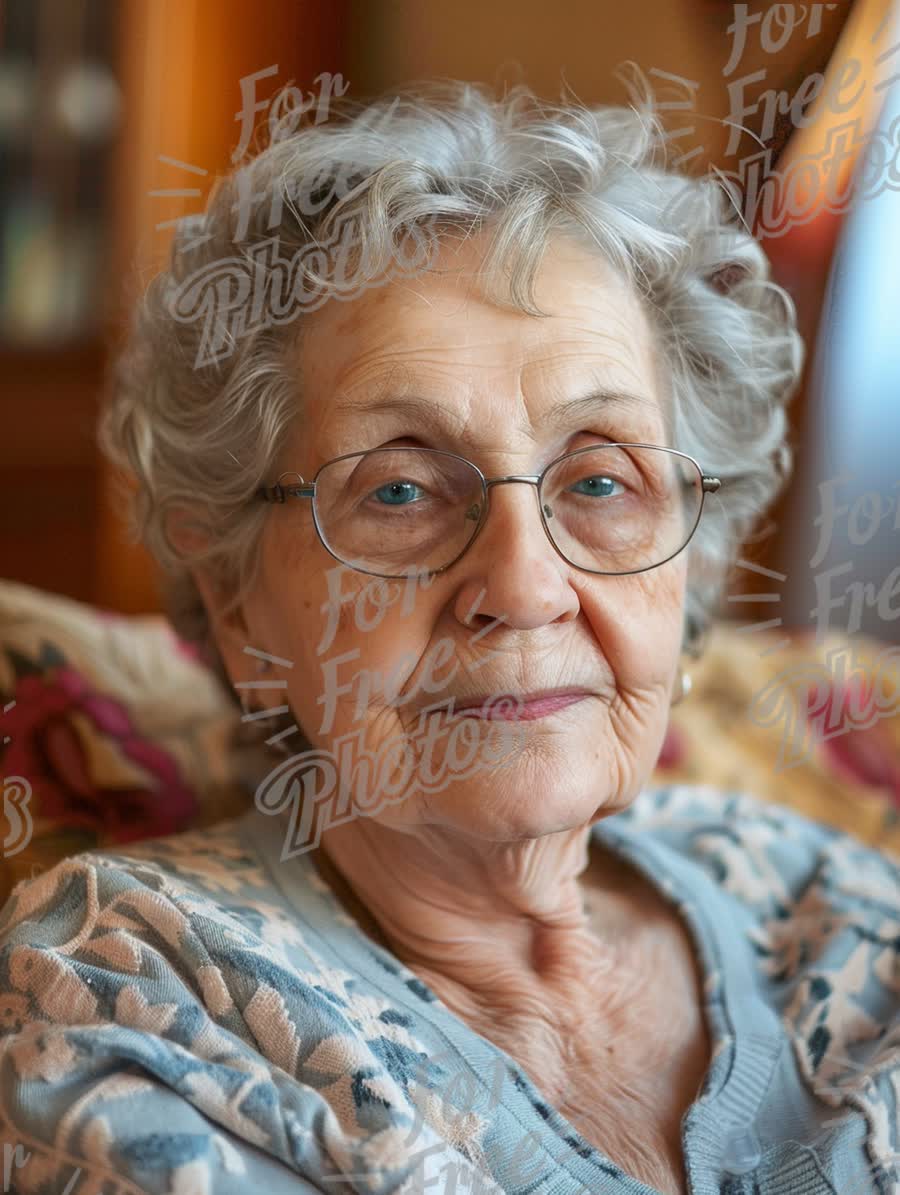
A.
pixel 811 725
pixel 111 730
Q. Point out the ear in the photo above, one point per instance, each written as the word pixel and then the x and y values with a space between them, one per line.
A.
pixel 233 630
pixel 230 627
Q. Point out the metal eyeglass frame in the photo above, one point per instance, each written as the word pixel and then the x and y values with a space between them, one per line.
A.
pixel 279 493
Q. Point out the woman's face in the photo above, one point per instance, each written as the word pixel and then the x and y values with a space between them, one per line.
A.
pixel 429 362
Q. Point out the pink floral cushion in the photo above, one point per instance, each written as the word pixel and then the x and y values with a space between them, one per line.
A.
pixel 110 731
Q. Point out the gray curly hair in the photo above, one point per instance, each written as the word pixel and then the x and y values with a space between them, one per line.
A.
pixel 453 157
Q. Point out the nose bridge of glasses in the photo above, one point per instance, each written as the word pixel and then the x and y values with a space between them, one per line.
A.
pixel 531 480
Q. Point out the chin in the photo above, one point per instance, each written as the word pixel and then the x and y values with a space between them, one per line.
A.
pixel 512 804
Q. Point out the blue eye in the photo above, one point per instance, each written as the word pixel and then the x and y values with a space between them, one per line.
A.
pixel 594 486
pixel 398 493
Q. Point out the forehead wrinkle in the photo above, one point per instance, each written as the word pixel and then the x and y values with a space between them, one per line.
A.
pixel 399 385
pixel 623 348
pixel 400 388
pixel 430 413
pixel 425 411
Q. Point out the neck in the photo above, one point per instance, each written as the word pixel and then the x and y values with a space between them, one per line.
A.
pixel 481 919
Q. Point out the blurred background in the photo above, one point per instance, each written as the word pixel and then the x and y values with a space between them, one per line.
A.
pixel 117 115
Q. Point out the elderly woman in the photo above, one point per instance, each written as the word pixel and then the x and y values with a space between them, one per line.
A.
pixel 447 420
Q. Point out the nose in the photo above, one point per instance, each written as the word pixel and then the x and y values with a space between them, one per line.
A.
pixel 512 572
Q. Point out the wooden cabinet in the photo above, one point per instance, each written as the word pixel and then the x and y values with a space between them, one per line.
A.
pixel 178 65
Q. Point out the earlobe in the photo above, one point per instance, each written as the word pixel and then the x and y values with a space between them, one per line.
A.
pixel 229 624
pixel 232 627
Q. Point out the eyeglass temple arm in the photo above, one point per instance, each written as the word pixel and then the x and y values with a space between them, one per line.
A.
pixel 280 493
pixel 711 484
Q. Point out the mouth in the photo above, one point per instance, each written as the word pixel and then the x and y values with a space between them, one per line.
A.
pixel 519 707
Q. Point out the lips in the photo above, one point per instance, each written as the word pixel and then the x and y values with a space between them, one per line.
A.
pixel 523 707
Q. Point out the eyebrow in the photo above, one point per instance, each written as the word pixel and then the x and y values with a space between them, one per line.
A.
pixel 560 414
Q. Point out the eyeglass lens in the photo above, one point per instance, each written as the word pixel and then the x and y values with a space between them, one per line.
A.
pixel 611 508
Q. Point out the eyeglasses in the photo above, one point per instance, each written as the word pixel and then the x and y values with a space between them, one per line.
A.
pixel 612 509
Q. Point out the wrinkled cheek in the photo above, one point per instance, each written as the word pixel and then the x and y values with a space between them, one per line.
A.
pixel 349 691
pixel 637 622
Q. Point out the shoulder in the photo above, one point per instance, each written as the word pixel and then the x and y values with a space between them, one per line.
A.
pixel 157 1008
pixel 105 908
pixel 194 915
pixel 767 856
pixel 209 861
pixel 824 907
